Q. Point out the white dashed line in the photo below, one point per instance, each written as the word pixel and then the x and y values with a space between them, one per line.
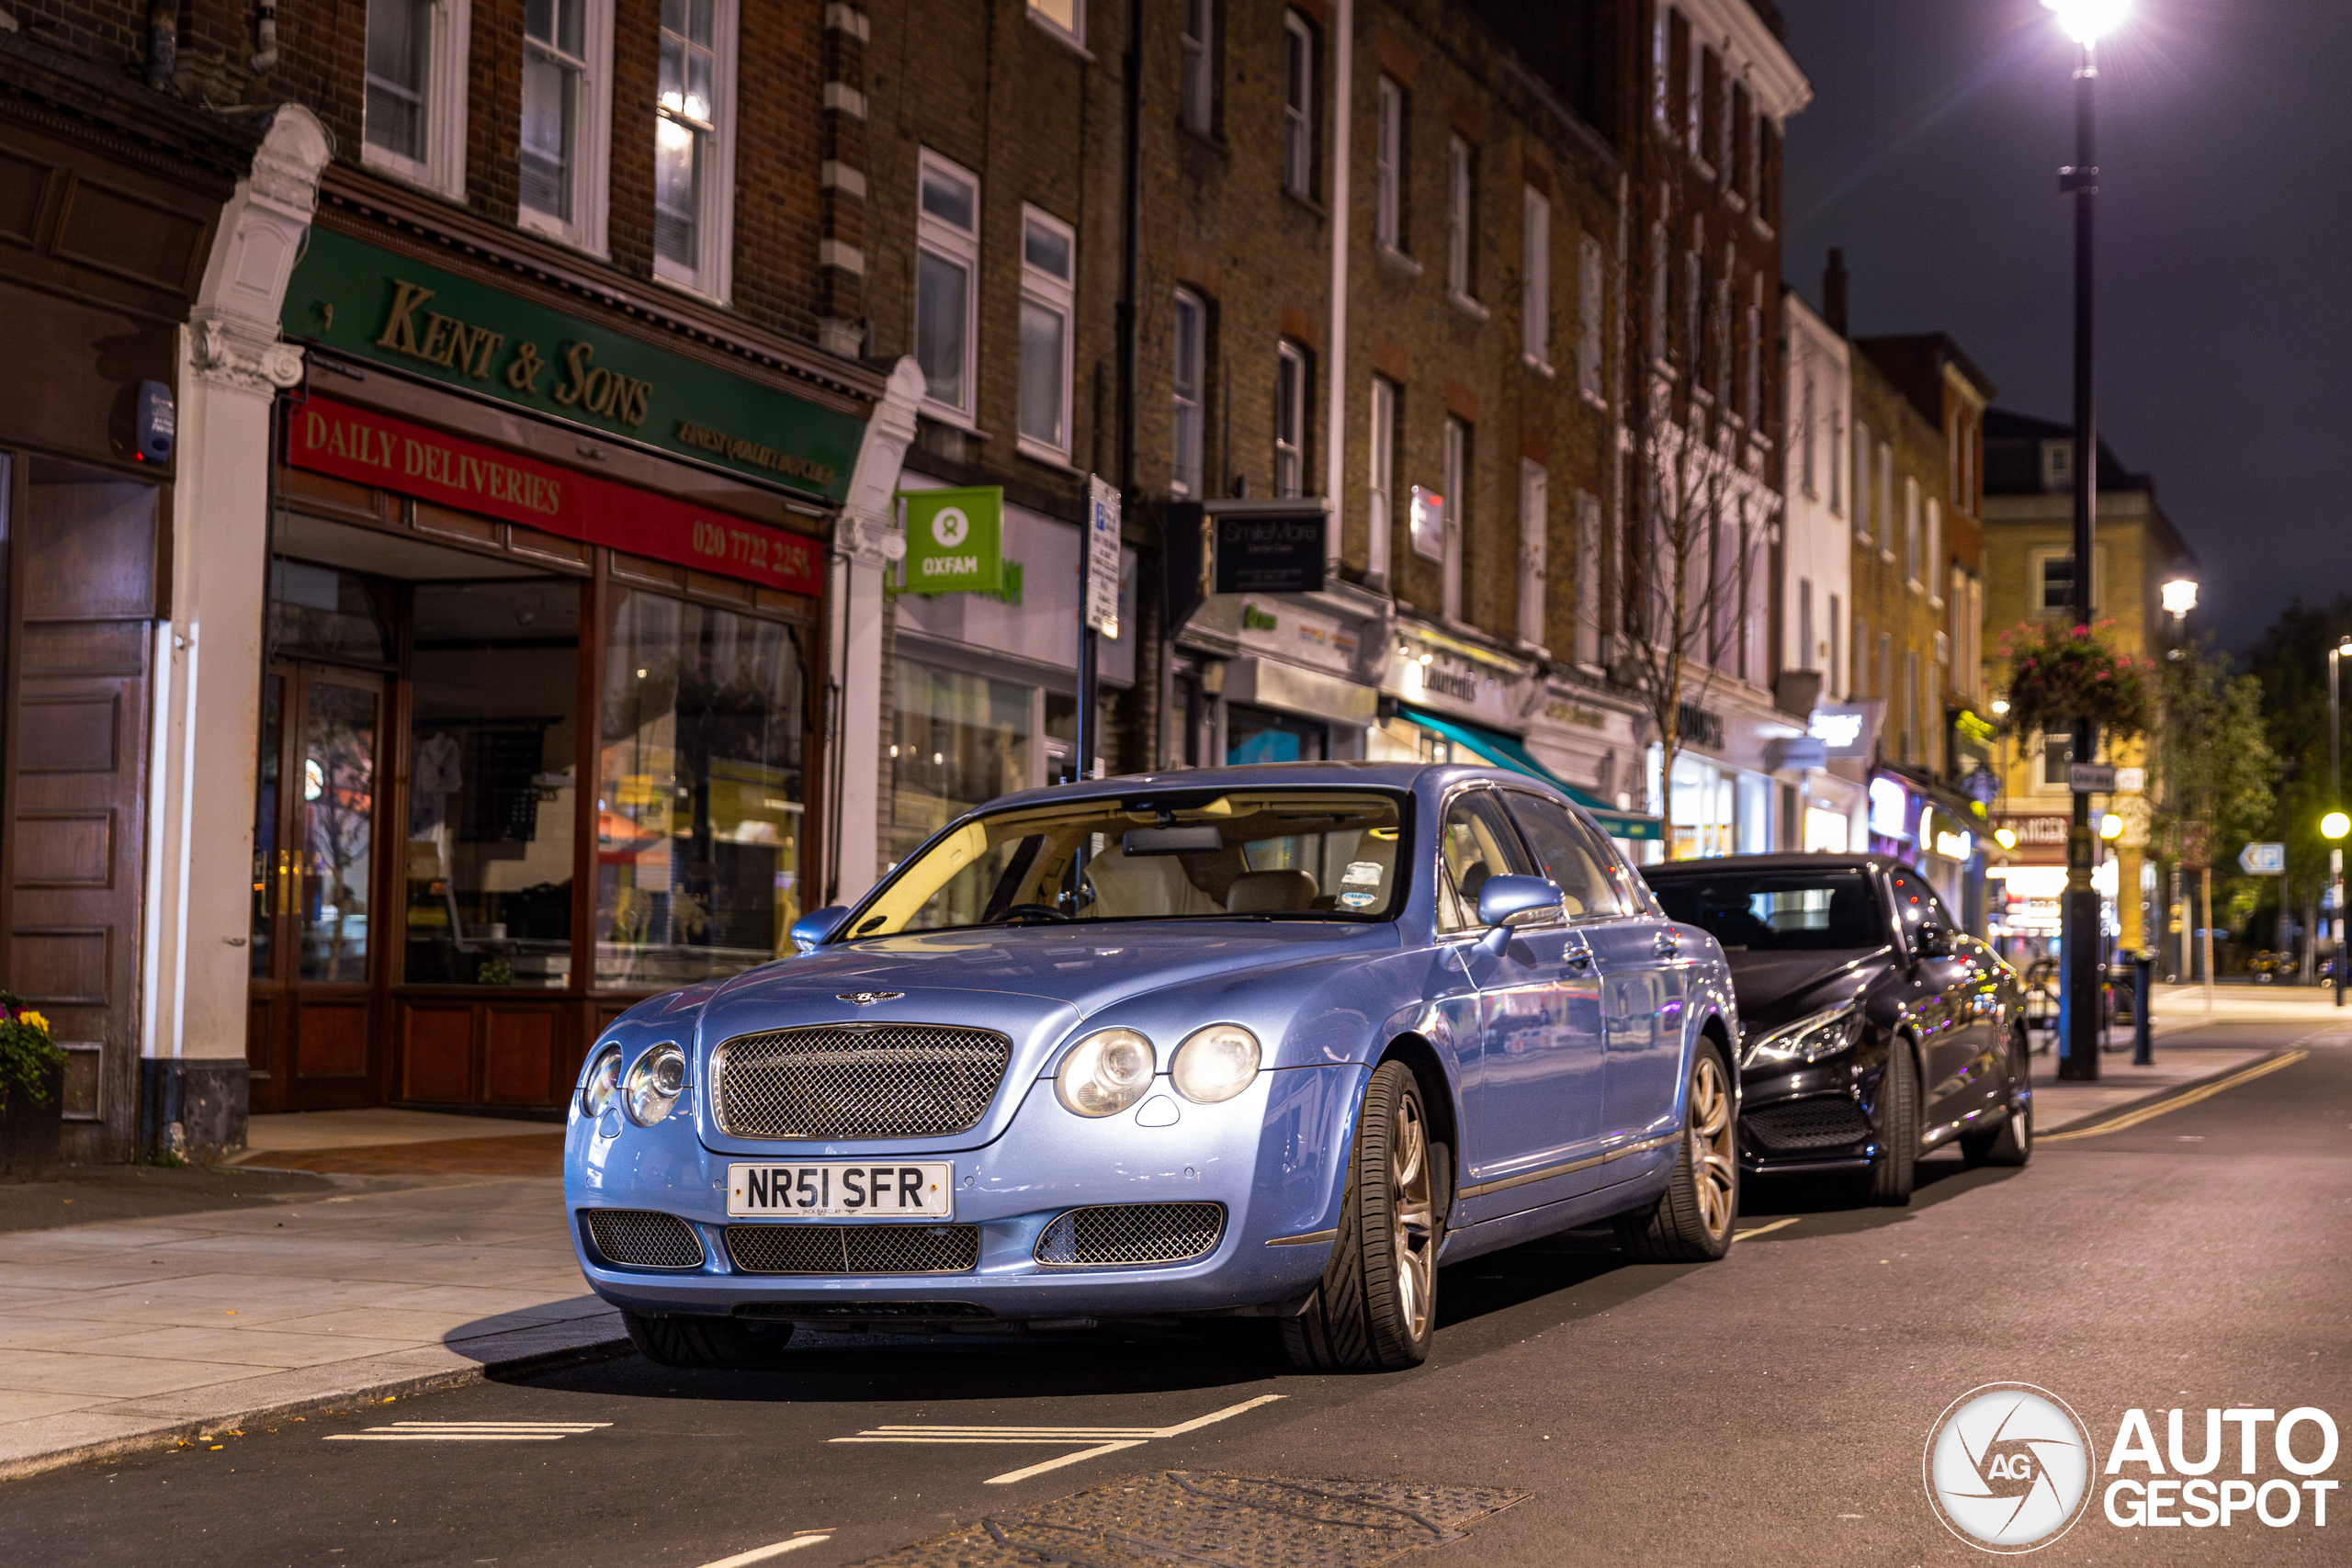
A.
pixel 776 1548
pixel 469 1432
pixel 1093 1441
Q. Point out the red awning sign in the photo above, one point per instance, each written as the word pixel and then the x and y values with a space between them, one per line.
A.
pixel 375 449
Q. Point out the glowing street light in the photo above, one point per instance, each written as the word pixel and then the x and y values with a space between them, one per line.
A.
pixel 2000 704
pixel 2335 825
pixel 2110 827
pixel 2180 597
pixel 2006 836
pixel 2087 21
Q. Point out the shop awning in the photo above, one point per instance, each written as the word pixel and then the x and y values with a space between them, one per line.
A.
pixel 1505 751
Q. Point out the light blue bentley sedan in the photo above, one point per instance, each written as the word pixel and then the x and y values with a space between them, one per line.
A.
pixel 1263 1041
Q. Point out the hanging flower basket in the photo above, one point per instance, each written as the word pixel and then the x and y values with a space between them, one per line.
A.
pixel 2059 674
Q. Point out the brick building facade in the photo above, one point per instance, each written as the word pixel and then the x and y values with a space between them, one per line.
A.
pixel 495 427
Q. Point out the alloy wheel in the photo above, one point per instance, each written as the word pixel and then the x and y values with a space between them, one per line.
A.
pixel 1412 1214
pixel 1712 1155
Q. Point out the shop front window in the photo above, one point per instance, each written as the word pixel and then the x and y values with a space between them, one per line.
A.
pixel 963 740
pixel 1254 735
pixel 700 777
pixel 1702 810
pixel 493 736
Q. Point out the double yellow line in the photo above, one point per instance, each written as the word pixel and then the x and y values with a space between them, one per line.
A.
pixel 2130 1119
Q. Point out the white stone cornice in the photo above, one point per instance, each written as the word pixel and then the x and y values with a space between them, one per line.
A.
pixel 234 341
pixel 1757 57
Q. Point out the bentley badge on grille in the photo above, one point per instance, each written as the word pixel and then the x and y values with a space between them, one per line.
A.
pixel 867 998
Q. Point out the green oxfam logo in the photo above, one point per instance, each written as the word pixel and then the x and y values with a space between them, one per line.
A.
pixel 955 540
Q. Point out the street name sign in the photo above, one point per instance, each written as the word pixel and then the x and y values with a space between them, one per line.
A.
pixel 2090 778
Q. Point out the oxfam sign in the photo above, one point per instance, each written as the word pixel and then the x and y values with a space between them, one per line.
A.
pixel 955 540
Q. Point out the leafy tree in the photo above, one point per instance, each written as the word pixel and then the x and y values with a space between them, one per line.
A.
pixel 2290 662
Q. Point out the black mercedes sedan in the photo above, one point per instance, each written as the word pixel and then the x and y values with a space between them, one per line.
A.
pixel 1873 1028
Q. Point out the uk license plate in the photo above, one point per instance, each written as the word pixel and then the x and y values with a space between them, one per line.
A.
pixel 869 1190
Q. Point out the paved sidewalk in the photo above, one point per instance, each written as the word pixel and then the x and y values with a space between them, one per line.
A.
pixel 133 1333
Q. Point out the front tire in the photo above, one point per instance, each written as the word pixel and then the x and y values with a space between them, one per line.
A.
pixel 1690 1222
pixel 700 1341
pixel 2011 1143
pixel 1896 1171
pixel 1375 1309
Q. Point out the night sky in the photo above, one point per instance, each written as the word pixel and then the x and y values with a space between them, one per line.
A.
pixel 1930 153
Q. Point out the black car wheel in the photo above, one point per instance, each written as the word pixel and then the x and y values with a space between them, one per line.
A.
pixel 1377 1307
pixel 1690 1222
pixel 701 1341
pixel 1896 1168
pixel 2011 1143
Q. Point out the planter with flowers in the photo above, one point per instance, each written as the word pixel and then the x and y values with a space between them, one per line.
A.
pixel 2059 674
pixel 32 1090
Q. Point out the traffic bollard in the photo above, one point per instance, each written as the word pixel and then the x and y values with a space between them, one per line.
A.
pixel 2143 1053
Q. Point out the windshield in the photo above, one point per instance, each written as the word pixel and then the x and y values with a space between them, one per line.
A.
pixel 1785 911
pixel 1264 854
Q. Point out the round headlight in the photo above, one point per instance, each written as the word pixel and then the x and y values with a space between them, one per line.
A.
pixel 1105 1073
pixel 654 1084
pixel 600 1082
pixel 1215 1063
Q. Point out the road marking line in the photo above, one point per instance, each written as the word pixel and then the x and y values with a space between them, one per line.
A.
pixel 1093 1441
pixel 469 1432
pixel 1765 1230
pixel 776 1549
pixel 2202 1091
pixel 1010 1476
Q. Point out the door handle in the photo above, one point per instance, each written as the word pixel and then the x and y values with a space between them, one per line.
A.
pixel 1579 959
pixel 1666 945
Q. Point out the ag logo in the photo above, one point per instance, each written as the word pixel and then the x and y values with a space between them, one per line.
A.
pixel 949 526
pixel 2008 1467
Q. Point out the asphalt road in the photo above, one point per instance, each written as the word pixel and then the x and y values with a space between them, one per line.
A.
pixel 1771 1408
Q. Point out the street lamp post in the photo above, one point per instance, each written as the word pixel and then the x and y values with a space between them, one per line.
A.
pixel 2335 825
pixel 2079 976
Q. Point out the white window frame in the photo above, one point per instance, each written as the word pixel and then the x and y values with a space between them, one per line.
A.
pixel 1833 670
pixel 1196 77
pixel 1460 216
pixel 1911 534
pixel 1380 522
pixel 1534 552
pixel 1931 570
pixel 1865 514
pixel 1298 105
pixel 1752 383
pixel 1886 501
pixel 1456 456
pixel 1587 632
pixel 1389 166
pixel 1059 296
pixel 1290 420
pixel 1535 279
pixel 1189 339
pixel 2058 465
pixel 1836 454
pixel 1808 431
pixel 1074 32
pixel 1694 98
pixel 1590 285
pixel 961 248
pixel 712 275
pixel 442 170
pixel 1804 624
pixel 592 156
pixel 1661 62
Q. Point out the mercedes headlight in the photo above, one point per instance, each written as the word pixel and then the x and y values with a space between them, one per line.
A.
pixel 1105 1073
pixel 600 1082
pixel 1215 1063
pixel 1808 1039
pixel 654 1084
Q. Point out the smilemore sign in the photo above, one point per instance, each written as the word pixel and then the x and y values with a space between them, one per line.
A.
pixel 955 540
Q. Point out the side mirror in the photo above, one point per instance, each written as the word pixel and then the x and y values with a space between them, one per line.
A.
pixel 1507 903
pixel 1934 941
pixel 809 931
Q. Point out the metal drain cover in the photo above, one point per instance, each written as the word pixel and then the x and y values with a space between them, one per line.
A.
pixel 1201 1517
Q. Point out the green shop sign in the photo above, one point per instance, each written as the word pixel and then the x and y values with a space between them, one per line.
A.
pixel 955 540
pixel 369 303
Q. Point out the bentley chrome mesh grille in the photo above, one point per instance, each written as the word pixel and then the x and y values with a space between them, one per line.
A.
pixel 639 1238
pixel 1131 1233
pixel 1807 1125
pixel 857 1081
pixel 854 1249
